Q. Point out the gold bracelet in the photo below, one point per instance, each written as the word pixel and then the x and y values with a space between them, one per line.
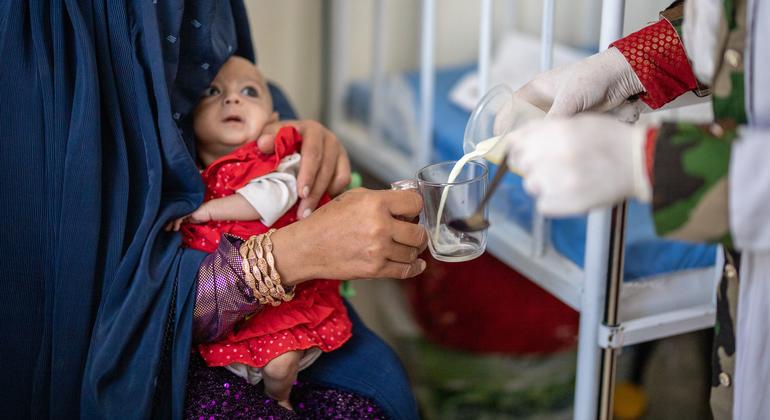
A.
pixel 265 270
pixel 252 275
pixel 265 282
pixel 282 293
pixel 248 276
pixel 260 272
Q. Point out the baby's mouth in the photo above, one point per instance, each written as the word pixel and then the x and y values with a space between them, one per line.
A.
pixel 233 119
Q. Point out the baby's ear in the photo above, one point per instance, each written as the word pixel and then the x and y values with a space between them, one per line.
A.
pixel 274 117
pixel 266 143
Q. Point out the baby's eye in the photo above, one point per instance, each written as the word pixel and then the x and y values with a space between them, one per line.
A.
pixel 211 91
pixel 250 91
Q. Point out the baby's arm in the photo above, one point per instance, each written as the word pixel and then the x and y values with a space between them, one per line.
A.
pixel 265 198
pixel 233 207
pixel 273 194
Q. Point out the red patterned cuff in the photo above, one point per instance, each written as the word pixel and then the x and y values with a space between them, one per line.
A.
pixel 657 57
pixel 649 152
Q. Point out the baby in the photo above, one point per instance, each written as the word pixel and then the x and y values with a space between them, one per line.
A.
pixel 251 187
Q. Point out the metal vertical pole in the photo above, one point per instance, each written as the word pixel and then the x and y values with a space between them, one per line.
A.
pixel 614 282
pixel 427 77
pixel 378 71
pixel 546 34
pixel 612 29
pixel 485 45
pixel 338 67
pixel 591 301
pixel 541 226
pixel 612 22
pixel 593 305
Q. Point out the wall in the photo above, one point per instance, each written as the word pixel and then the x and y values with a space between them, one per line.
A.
pixel 289 34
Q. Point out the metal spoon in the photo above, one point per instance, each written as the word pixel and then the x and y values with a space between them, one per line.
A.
pixel 476 221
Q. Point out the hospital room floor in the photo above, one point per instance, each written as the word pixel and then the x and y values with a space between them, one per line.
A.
pixel 674 378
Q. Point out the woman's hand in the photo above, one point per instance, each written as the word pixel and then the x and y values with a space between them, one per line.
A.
pixel 324 166
pixel 355 236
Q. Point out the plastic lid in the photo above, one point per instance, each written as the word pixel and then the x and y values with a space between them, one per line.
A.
pixel 481 124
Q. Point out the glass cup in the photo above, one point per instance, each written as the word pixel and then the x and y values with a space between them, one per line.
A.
pixel 444 201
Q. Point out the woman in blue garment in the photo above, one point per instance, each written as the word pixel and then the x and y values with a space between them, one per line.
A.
pixel 101 305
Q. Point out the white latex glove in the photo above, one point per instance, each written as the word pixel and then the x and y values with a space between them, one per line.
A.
pixel 601 82
pixel 573 165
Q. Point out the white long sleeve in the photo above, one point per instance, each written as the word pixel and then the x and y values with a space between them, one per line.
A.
pixel 749 178
pixel 749 183
pixel 273 194
pixel 749 190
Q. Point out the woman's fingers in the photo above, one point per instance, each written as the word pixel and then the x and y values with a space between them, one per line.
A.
pixel 402 253
pixel 403 203
pixel 323 177
pixel 409 234
pixel 341 174
pixel 396 270
pixel 324 165
pixel 312 156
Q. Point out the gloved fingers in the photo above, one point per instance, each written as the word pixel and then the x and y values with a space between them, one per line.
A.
pixel 519 145
pixel 628 111
pixel 565 105
pixel 503 119
pixel 532 144
pixel 540 91
pixel 563 193
pixel 553 197
pixel 556 205
pixel 532 186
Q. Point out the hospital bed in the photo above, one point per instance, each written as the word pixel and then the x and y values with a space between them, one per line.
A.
pixel 628 285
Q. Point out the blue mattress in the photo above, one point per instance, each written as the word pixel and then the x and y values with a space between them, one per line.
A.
pixel 646 254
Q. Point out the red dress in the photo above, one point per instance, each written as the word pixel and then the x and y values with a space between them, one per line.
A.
pixel 316 317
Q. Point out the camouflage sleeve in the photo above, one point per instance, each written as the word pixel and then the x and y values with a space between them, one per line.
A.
pixel 674 14
pixel 689 179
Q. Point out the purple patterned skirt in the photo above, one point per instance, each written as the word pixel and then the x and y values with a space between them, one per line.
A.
pixel 215 393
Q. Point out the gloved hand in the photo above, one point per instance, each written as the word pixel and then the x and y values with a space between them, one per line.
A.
pixel 573 165
pixel 601 82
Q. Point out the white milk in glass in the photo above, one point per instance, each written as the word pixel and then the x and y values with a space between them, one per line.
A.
pixel 491 149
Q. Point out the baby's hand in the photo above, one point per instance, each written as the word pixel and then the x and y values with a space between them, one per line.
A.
pixel 266 144
pixel 202 215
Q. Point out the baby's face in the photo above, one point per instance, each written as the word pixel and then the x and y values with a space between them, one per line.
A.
pixel 234 109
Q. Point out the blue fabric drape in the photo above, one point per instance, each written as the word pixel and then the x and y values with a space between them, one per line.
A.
pixel 93 165
pixel 97 313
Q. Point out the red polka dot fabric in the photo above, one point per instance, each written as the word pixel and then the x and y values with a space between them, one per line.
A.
pixel 229 173
pixel 316 317
pixel 658 58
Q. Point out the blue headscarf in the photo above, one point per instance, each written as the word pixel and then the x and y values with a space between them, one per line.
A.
pixel 91 101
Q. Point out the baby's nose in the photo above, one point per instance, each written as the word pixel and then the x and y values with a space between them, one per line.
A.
pixel 231 99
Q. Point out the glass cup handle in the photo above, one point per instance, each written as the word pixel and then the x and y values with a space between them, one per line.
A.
pixel 407 185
